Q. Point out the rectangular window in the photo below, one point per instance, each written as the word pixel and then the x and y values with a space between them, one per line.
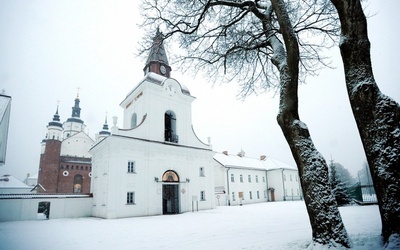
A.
pixel 241 195
pixel 258 194
pixel 284 177
pixel 233 196
pixel 290 177
pixel 295 177
pixel 256 178
pixel 202 172
pixel 131 167
pixel 263 178
pixel 232 178
pixel 265 194
pixel 202 195
pixel 249 178
pixel 130 198
pixel 292 191
pixel 251 196
pixel 241 178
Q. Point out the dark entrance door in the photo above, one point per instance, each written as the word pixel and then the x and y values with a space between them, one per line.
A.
pixel 170 199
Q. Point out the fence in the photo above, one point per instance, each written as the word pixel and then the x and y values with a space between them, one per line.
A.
pixel 363 194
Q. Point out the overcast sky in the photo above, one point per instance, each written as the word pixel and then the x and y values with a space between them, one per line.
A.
pixel 50 48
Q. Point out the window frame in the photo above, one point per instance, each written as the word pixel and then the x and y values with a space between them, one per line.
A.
pixel 131 167
pixel 131 198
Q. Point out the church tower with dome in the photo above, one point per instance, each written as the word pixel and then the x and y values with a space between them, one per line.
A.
pixel 153 163
pixel 65 164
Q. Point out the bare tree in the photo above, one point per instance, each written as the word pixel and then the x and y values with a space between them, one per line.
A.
pixel 263 44
pixel 377 115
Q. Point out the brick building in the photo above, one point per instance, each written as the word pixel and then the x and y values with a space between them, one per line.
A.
pixel 65 164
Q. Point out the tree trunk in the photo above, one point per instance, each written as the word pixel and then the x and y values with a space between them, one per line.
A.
pixel 377 116
pixel 326 222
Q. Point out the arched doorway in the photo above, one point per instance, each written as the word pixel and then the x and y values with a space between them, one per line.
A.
pixel 170 193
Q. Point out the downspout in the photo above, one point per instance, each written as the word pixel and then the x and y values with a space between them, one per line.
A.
pixel 266 180
pixel 283 182
pixel 227 186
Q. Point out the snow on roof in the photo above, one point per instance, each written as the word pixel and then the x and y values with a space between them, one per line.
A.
pixel 236 161
pixel 9 181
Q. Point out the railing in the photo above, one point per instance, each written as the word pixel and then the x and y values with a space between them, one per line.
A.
pixel 172 138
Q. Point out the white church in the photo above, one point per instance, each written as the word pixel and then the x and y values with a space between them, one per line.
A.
pixel 154 164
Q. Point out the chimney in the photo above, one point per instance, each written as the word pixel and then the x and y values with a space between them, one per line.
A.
pixel 241 153
pixel 225 152
pixel 263 157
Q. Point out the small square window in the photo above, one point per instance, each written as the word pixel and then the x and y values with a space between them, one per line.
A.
pixel 130 198
pixel 131 167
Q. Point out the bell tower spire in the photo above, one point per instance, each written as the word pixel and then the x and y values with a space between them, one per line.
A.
pixel 157 62
pixel 54 128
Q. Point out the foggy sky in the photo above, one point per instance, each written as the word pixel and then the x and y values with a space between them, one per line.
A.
pixel 50 48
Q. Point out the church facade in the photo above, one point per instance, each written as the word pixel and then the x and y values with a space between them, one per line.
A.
pixel 65 163
pixel 154 164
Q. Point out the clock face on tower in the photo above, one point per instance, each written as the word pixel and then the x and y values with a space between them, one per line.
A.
pixel 170 89
pixel 163 70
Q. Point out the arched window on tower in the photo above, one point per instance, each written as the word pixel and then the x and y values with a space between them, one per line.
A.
pixel 170 127
pixel 133 120
pixel 78 179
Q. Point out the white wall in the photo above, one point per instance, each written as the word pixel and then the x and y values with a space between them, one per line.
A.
pixel 111 182
pixel 77 145
pixel 246 187
pixel 27 208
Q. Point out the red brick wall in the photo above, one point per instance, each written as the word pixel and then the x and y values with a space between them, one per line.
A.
pixel 66 181
pixel 49 167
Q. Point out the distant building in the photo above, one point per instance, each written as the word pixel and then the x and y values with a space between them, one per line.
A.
pixel 31 180
pixel 65 164
pixel 242 180
pixel 11 185
pixel 5 109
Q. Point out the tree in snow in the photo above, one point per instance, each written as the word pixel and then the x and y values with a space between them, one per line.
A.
pixel 263 44
pixel 377 115
pixel 339 184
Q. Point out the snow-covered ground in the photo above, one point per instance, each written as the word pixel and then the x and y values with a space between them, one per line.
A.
pixel 273 225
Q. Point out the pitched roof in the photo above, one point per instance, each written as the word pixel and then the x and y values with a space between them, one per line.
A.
pixel 9 181
pixel 235 161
